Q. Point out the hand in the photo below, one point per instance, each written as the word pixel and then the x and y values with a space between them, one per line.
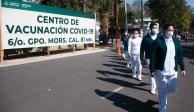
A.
pixel 152 74
pixel 183 73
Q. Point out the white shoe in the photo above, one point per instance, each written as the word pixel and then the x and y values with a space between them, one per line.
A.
pixel 134 76
pixel 153 91
pixel 139 78
pixel 127 66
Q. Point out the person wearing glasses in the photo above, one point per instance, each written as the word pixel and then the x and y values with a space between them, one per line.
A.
pixel 165 57
pixel 134 53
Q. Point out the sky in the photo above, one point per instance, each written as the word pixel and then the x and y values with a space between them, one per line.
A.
pixel 190 2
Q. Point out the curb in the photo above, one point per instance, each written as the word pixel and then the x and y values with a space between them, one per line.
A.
pixel 28 60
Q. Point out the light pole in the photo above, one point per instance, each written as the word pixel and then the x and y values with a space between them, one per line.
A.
pixel 126 23
pixel 84 9
pixel 117 32
pixel 142 14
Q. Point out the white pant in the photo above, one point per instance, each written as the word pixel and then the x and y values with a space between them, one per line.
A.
pixel 147 63
pixel 136 64
pixel 127 58
pixel 166 85
pixel 152 79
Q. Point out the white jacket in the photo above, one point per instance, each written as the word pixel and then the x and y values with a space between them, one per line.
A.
pixel 134 45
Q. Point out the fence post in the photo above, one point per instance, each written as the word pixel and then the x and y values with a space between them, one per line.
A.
pixel 48 50
pixel 1 46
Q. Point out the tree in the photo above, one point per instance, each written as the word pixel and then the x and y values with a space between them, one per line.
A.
pixel 173 12
pixel 136 9
pixel 104 11
pixel 192 25
pixel 69 4
pixel 130 15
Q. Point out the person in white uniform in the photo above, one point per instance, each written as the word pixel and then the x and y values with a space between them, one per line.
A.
pixel 146 49
pixel 166 55
pixel 134 53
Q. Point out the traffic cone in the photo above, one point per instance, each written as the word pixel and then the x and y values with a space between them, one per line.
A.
pixel 118 50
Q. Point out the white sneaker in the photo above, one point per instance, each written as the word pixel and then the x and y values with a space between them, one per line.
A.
pixel 139 78
pixel 134 76
pixel 127 66
pixel 153 91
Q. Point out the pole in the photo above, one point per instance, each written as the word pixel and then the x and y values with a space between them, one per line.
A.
pixel 126 23
pixel 117 32
pixel 142 14
pixel 48 51
pixel 84 9
pixel 116 3
pixel 94 44
pixel 1 47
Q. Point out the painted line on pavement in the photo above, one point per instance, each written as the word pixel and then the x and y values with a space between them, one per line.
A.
pixel 111 93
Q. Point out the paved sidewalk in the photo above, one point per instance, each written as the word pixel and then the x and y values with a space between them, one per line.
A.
pixel 14 62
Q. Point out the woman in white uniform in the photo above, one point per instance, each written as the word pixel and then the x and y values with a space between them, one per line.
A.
pixel 134 44
pixel 166 55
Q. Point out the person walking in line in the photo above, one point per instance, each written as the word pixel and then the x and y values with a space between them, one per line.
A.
pixel 141 32
pixel 146 49
pixel 165 57
pixel 134 53
pixel 124 40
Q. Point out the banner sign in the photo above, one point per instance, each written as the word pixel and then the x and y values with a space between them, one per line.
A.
pixel 32 25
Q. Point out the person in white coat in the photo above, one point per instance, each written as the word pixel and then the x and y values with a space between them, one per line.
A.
pixel 134 44
pixel 165 57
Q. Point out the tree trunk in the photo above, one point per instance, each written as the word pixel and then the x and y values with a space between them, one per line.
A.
pixel 104 24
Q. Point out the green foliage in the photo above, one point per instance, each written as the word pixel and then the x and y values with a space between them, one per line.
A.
pixel 104 9
pixel 173 12
pixel 64 4
pixel 192 25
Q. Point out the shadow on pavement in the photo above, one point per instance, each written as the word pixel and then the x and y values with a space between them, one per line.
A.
pixel 125 83
pixel 113 65
pixel 118 62
pixel 123 70
pixel 117 59
pixel 128 103
pixel 110 73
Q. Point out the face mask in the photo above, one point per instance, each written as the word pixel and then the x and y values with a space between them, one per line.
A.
pixel 135 35
pixel 154 31
pixel 169 34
